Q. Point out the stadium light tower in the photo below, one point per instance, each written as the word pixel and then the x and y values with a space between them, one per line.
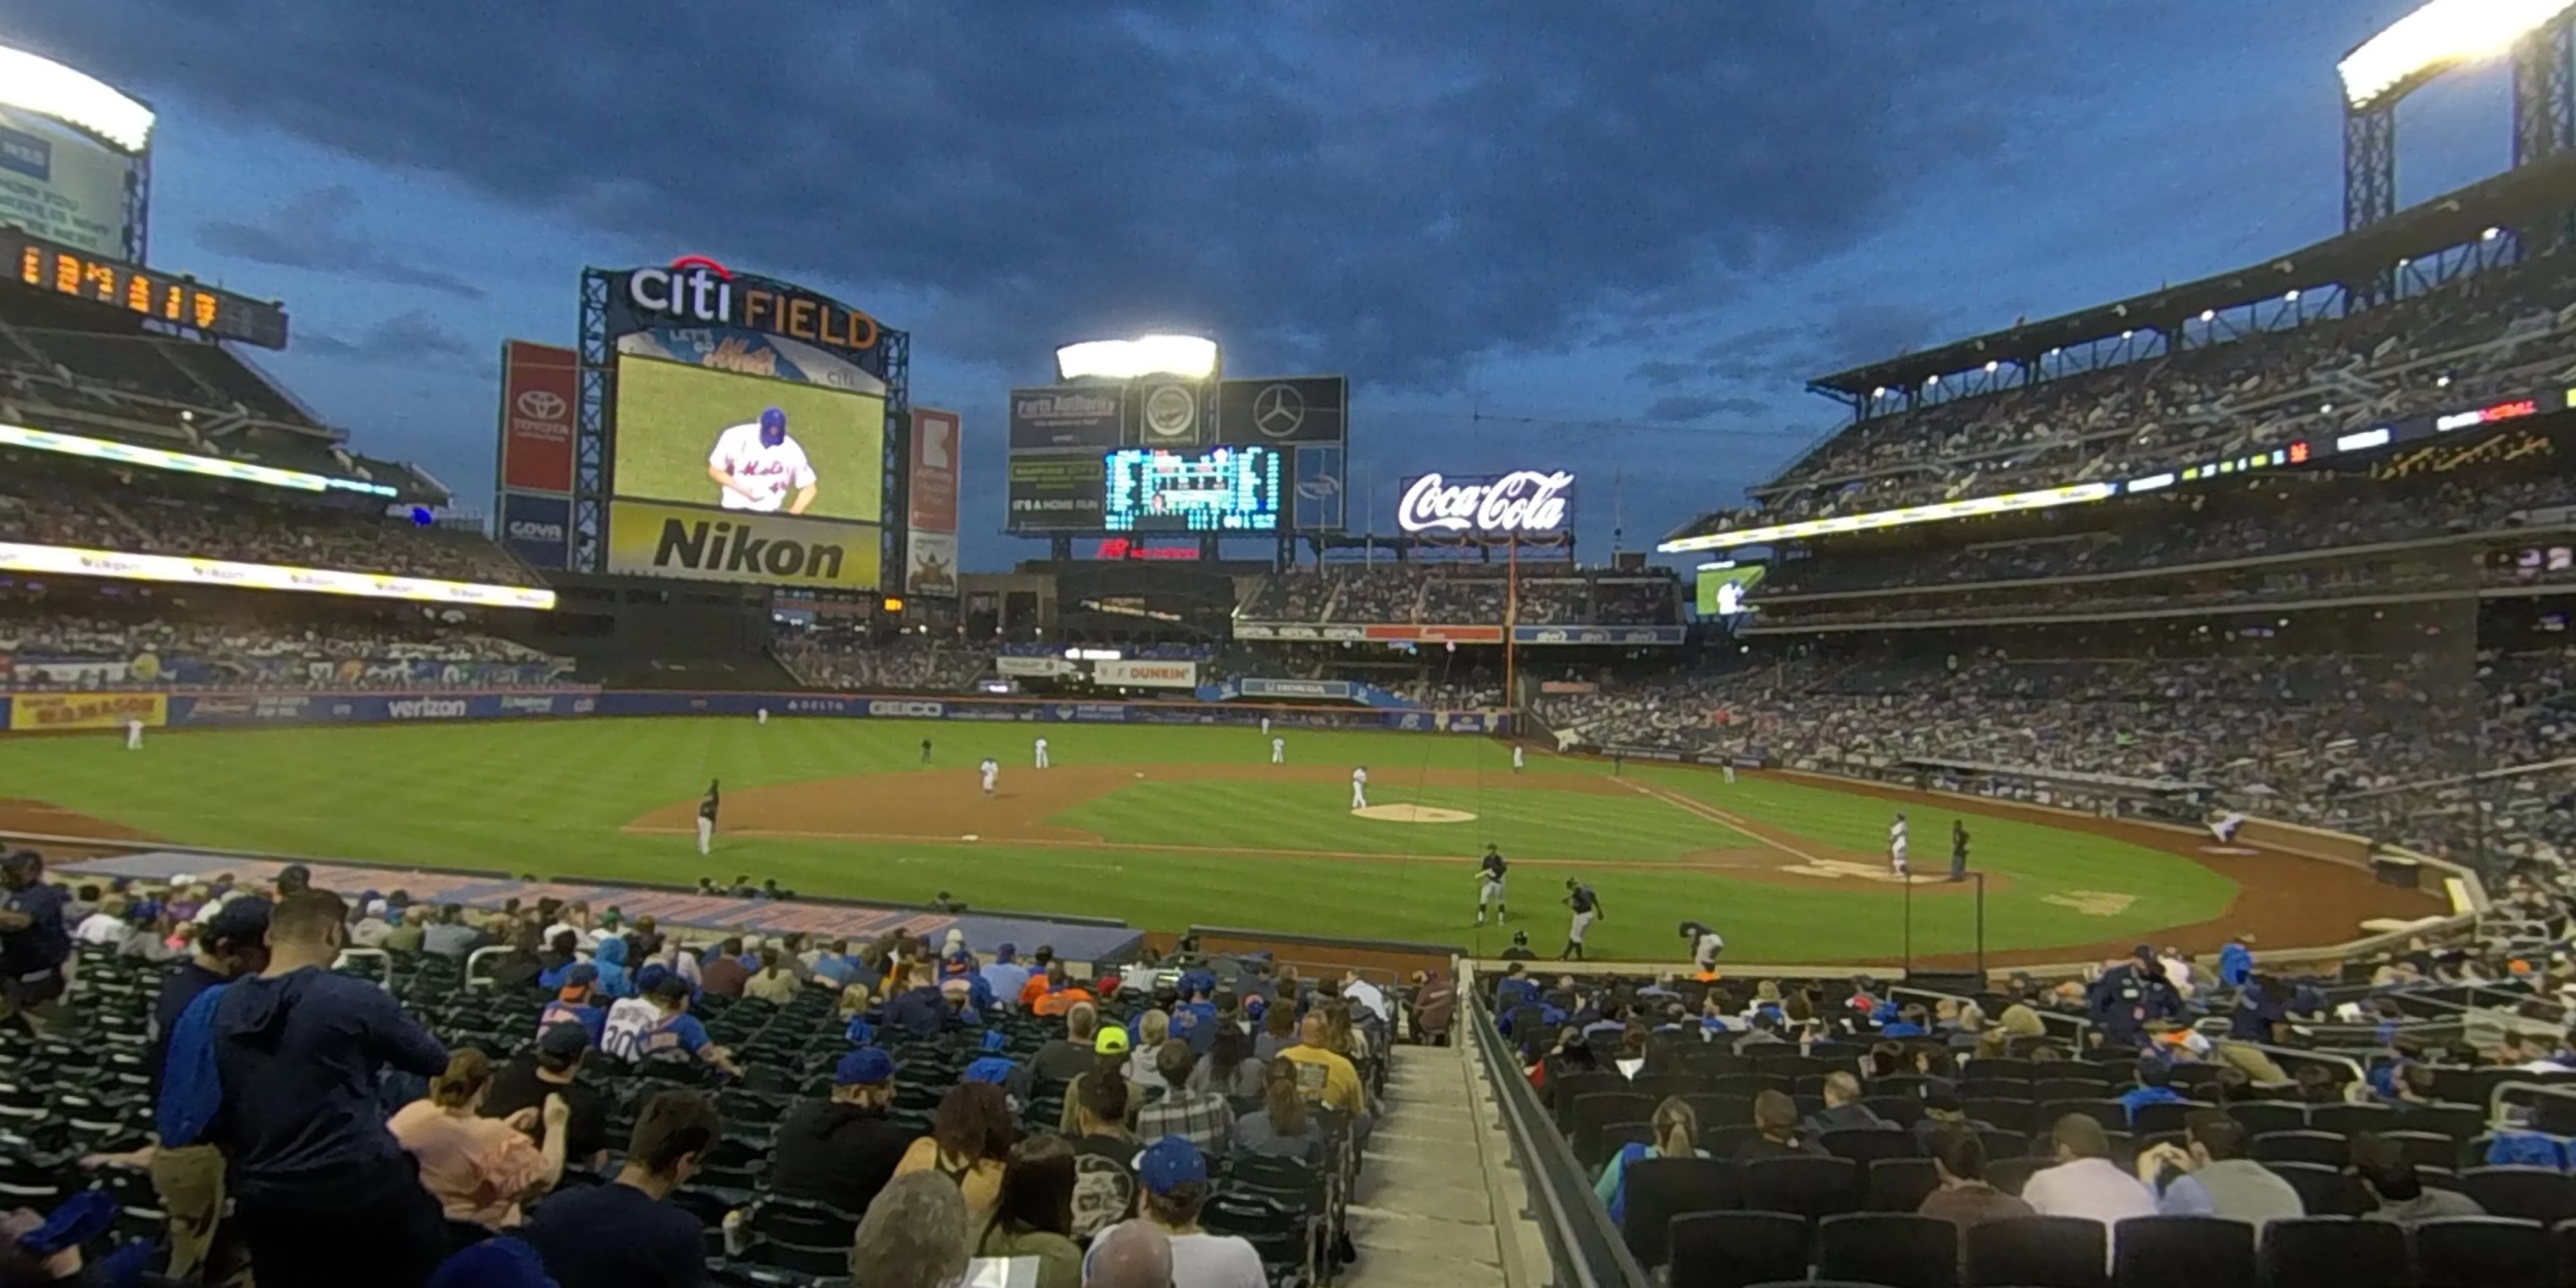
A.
pixel 1189 356
pixel 2442 35
pixel 86 148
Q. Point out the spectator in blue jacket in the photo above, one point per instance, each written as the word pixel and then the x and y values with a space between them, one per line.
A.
pixel 319 1185
pixel 2154 1088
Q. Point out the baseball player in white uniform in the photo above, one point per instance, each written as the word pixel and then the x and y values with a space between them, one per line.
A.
pixel 764 715
pixel 758 467
pixel 2223 827
pixel 1265 726
pixel 1042 756
pixel 1278 751
pixel 1359 788
pixel 1896 844
pixel 992 770
pixel 134 736
pixel 1517 761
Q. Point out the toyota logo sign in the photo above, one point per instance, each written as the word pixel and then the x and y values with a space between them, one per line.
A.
pixel 541 404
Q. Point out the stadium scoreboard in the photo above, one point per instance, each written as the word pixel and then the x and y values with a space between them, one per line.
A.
pixel 47 266
pixel 1218 489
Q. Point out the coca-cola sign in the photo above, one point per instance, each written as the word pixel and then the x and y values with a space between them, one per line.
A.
pixel 1521 503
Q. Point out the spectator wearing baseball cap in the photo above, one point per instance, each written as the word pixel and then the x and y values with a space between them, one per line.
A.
pixel 843 1150
pixel 1109 1051
pixel 553 1068
pixel 292 878
pixel 33 943
pixel 576 1003
pixel 190 1179
pixel 1173 1176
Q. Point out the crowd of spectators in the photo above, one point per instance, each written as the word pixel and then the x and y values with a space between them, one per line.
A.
pixel 83 509
pixel 2171 531
pixel 902 664
pixel 2342 740
pixel 1461 593
pixel 612 1102
pixel 2488 335
pixel 52 649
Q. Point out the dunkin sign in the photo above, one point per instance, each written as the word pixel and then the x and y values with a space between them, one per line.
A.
pixel 1523 503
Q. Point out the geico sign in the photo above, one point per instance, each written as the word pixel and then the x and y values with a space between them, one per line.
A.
pixel 917 710
pixel 530 530
pixel 426 709
pixel 697 289
pixel 1521 501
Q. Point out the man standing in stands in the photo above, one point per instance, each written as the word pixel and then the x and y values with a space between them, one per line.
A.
pixel 319 1186
pixel 623 1234
pixel 1489 885
pixel 33 945
pixel 707 817
pixel 1586 907
pixel 843 1150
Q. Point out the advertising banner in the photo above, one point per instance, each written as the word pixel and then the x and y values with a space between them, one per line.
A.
pixel 679 424
pixel 1520 505
pixel 1170 412
pixel 1322 690
pixel 1320 488
pixel 540 385
pixel 1074 419
pixel 740 546
pixel 1034 666
pixel 62 185
pixel 930 530
pixel 1061 493
pixel 698 294
pixel 1618 635
pixel 537 528
pixel 1298 631
pixel 72 561
pixel 1283 409
pixel 40 711
pixel 1145 674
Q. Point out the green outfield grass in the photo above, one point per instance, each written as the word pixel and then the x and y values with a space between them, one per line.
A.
pixel 552 797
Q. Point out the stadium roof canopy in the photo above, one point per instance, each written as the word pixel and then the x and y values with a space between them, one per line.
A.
pixel 2527 197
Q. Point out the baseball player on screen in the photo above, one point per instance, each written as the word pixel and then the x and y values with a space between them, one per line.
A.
pixel 755 465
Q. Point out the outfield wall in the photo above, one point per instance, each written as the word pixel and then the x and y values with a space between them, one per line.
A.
pixel 107 711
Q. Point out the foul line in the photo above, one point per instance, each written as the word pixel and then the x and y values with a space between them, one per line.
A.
pixel 1742 827
pixel 907 838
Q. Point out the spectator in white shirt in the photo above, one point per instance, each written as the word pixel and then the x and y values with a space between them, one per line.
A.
pixel 1364 995
pixel 1173 1178
pixel 2085 1182
pixel 104 927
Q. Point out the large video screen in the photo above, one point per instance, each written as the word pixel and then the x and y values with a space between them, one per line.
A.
pixel 695 435
pixel 1721 591
pixel 1218 489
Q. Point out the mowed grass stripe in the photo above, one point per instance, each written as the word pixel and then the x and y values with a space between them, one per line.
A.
pixel 550 798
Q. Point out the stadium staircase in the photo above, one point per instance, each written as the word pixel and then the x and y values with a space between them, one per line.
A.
pixel 1437 1205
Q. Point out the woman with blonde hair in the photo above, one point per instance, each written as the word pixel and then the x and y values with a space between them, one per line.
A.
pixel 1153 1029
pixel 1676 1131
pixel 480 1169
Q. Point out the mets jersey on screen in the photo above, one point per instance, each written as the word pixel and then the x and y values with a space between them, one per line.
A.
pixel 773 472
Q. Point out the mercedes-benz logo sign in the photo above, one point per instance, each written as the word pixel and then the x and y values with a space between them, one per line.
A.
pixel 1171 411
pixel 1278 411
pixel 541 404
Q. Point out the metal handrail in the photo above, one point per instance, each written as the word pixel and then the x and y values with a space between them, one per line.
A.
pixel 2495 1098
pixel 477 958
pixel 1546 1162
pixel 382 958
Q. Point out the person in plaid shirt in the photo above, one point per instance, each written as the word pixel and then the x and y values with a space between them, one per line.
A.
pixel 1201 1117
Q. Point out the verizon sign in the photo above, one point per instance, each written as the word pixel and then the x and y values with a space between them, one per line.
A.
pixel 1523 503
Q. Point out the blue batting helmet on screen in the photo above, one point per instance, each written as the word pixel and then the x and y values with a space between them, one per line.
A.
pixel 773 426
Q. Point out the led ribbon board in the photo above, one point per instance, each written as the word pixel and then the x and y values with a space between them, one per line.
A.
pixel 105 449
pixel 2046 498
pixel 71 561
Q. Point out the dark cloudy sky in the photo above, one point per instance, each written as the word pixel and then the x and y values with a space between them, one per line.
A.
pixel 1628 231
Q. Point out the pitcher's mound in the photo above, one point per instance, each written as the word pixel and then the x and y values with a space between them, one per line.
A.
pixel 1414 814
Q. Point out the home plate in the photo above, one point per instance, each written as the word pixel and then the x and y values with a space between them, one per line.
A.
pixel 1413 814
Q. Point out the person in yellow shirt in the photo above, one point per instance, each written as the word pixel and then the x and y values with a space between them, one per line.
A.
pixel 1323 1074
pixel 773 982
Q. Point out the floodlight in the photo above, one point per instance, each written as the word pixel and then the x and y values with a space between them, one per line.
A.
pixel 2440 34
pixel 1146 355
pixel 44 86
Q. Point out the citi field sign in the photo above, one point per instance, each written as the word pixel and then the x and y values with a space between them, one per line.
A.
pixel 1523 503
pixel 698 291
